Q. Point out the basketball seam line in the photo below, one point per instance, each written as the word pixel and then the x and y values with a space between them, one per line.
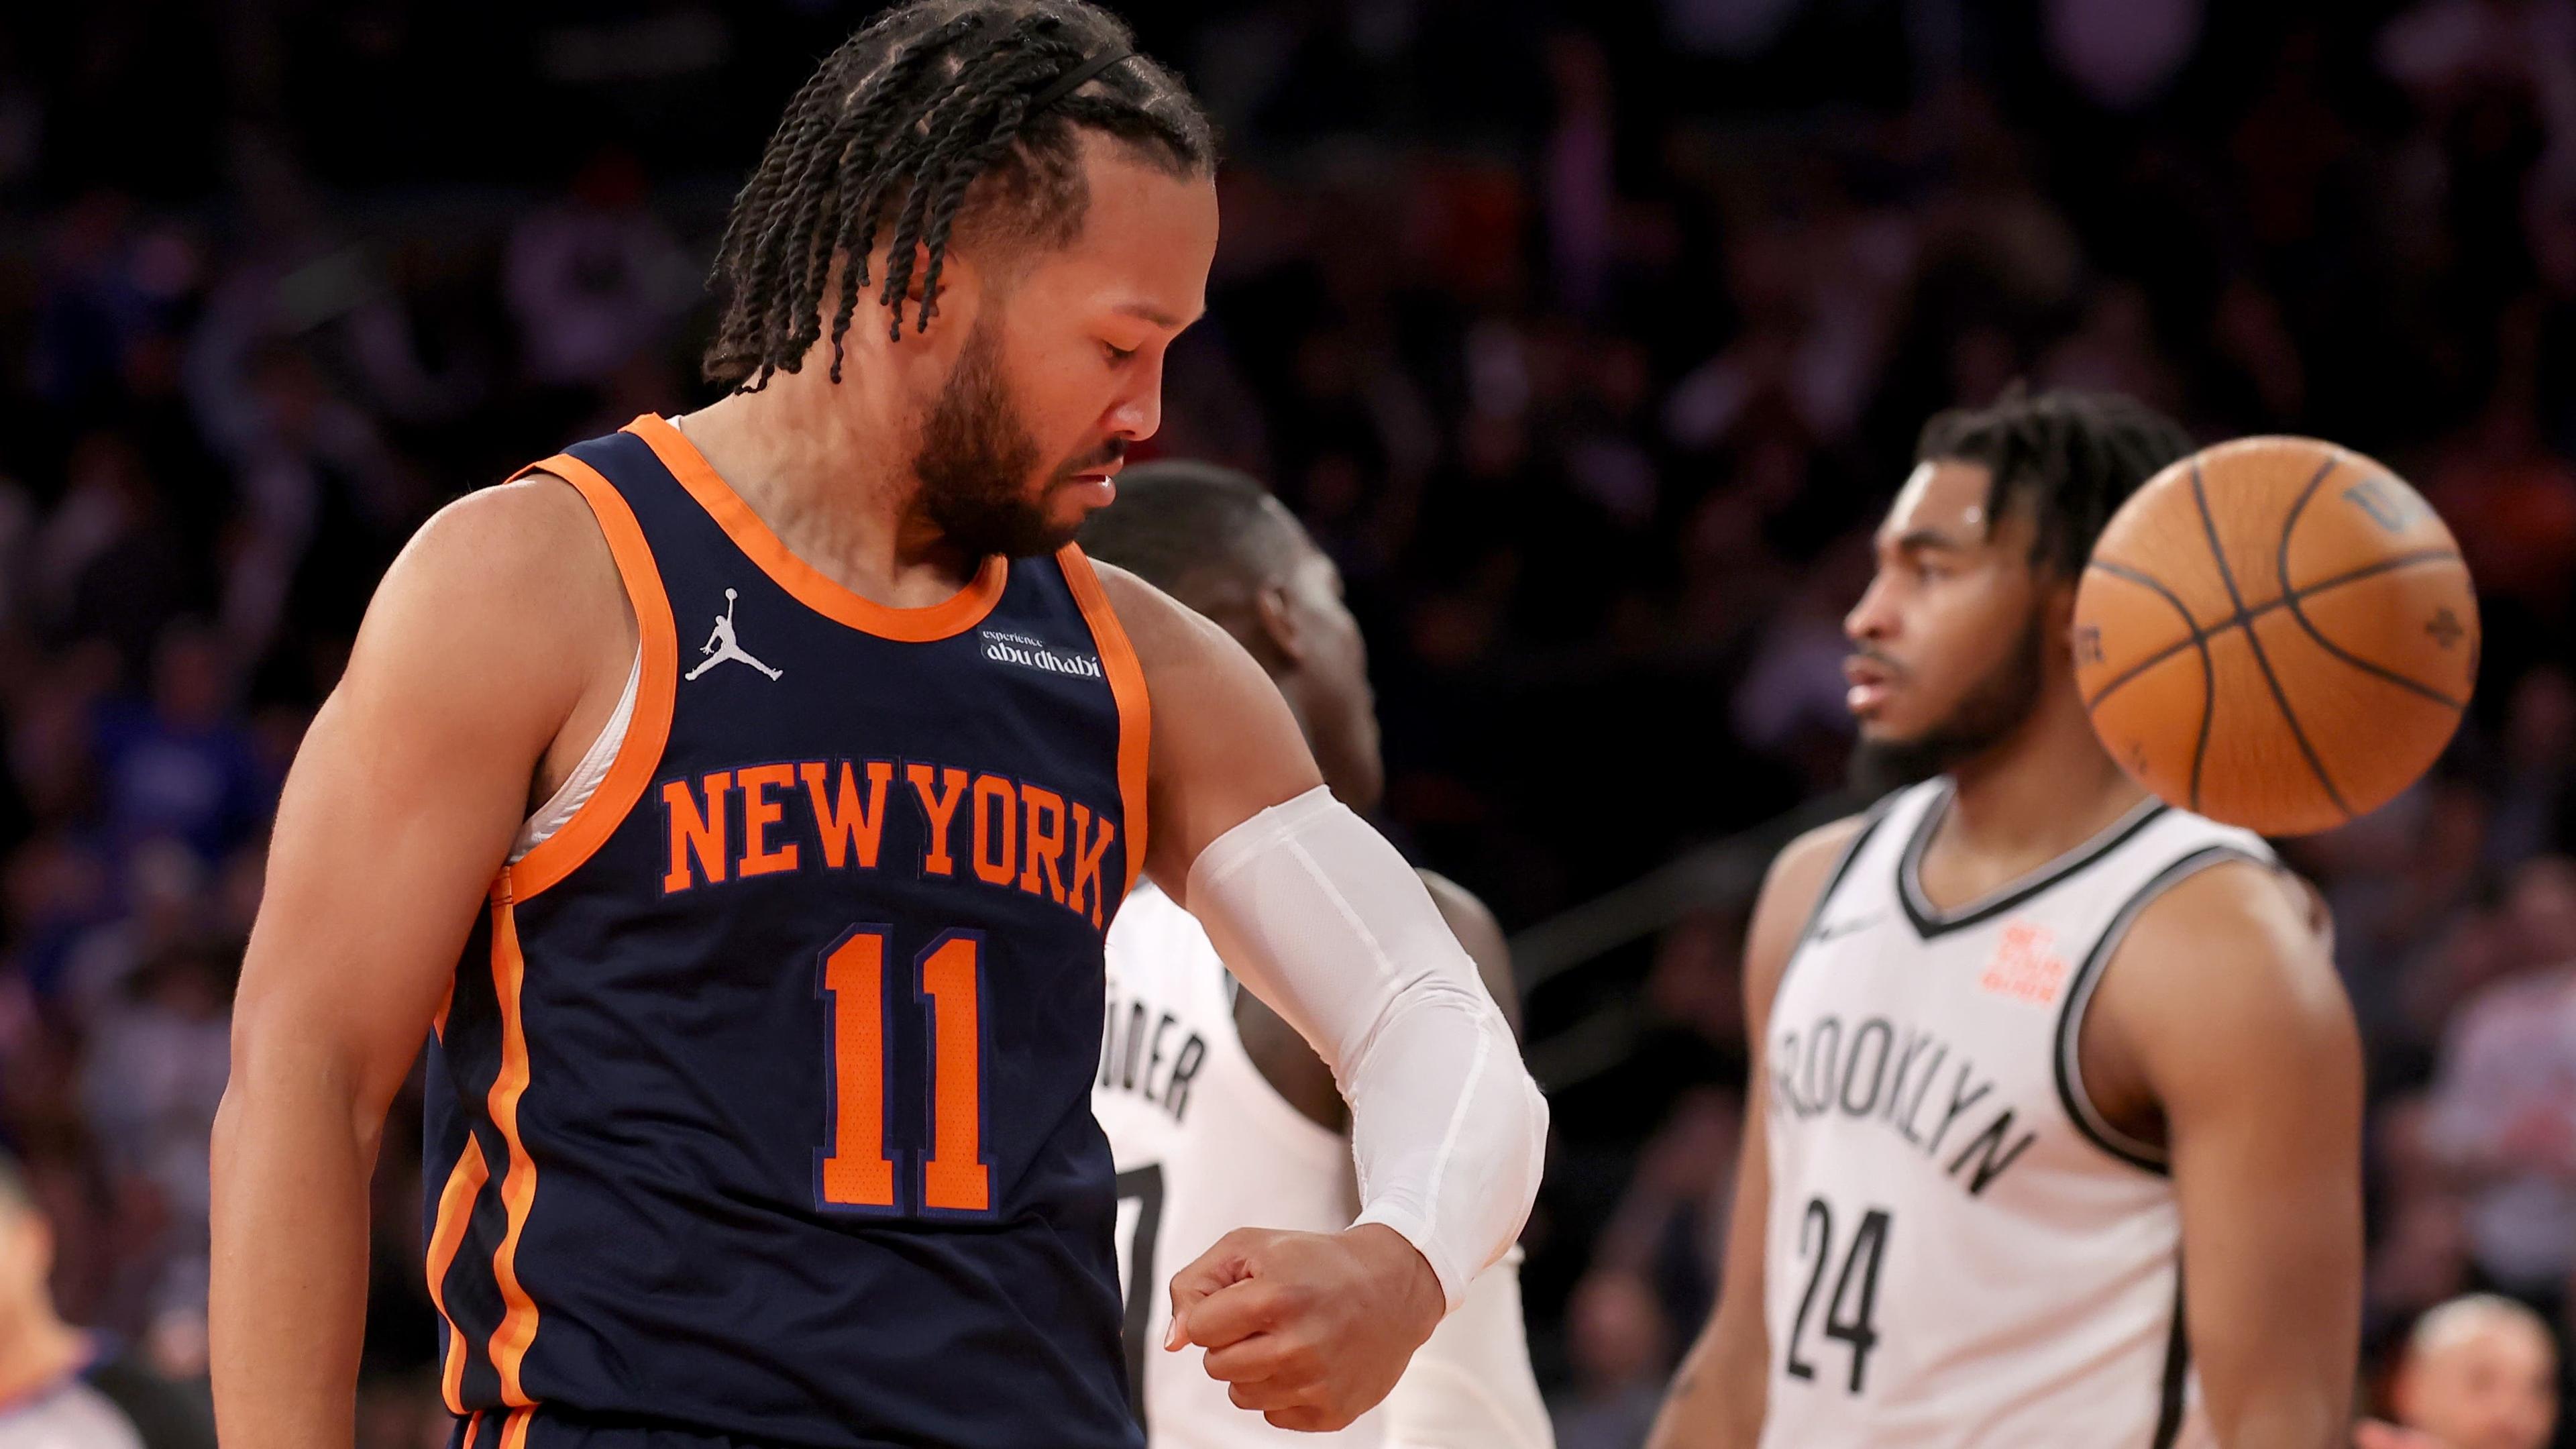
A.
pixel 2328 645
pixel 2262 661
pixel 2327 585
pixel 2208 672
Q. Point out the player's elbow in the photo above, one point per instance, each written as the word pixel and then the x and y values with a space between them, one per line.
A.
pixel 290 1072
pixel 1439 1017
pixel 1445 1044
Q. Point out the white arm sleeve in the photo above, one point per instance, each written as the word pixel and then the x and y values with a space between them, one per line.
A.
pixel 1470 1386
pixel 1325 922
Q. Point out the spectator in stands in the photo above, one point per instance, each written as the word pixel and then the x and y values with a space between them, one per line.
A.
pixel 1620 1343
pixel 2480 1373
pixel 61 1388
pixel 180 764
pixel 597 277
pixel 2504 1102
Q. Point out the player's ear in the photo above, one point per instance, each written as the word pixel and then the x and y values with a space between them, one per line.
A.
pixel 955 270
pixel 1275 621
pixel 2057 606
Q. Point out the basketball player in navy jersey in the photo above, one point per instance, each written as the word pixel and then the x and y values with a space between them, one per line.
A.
pixel 764 998
pixel 2054 1136
pixel 1219 1113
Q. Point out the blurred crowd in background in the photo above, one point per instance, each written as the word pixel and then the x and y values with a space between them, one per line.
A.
pixel 1589 339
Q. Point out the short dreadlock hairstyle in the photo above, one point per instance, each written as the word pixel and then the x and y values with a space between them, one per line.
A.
pixel 893 132
pixel 2071 457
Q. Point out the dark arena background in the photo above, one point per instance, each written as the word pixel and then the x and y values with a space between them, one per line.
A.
pixel 1590 339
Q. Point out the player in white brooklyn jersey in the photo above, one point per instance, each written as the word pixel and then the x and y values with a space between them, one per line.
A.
pixel 1218 1113
pixel 2054 1139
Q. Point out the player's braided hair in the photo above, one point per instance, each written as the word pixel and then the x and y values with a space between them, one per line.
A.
pixel 2072 457
pixel 890 135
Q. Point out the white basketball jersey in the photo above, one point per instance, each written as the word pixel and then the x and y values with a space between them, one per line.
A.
pixel 1961 1251
pixel 1204 1145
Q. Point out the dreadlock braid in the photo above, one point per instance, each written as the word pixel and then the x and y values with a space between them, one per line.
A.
pixel 942 209
pixel 768 203
pixel 2071 457
pixel 864 194
pixel 949 126
pixel 890 136
pixel 790 240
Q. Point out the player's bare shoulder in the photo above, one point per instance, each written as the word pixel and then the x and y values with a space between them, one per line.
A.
pixel 2230 969
pixel 1224 745
pixel 1166 634
pixel 506 608
pixel 530 549
pixel 2239 934
pixel 1795 885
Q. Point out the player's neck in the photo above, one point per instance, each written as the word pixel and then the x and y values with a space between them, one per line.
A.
pixel 828 467
pixel 2042 792
pixel 35 1351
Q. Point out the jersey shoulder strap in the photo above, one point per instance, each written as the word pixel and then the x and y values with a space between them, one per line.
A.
pixel 1868 859
pixel 2176 846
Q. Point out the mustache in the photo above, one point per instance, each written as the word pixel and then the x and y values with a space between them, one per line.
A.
pixel 1112 451
pixel 1879 658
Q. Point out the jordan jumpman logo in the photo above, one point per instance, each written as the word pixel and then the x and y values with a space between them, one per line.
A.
pixel 720 646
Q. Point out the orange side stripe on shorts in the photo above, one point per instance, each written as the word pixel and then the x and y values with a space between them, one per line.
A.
pixel 519 1183
pixel 455 1207
pixel 1126 686
pixel 514 1430
pixel 473 1426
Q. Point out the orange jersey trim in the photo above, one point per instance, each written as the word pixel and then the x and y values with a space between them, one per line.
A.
pixel 455 1206
pixel 650 727
pixel 509 1345
pixel 1126 686
pixel 835 601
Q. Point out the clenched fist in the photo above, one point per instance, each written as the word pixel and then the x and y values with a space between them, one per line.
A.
pixel 1312 1329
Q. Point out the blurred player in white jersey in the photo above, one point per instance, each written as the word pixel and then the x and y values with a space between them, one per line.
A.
pixel 2054 1137
pixel 1218 1113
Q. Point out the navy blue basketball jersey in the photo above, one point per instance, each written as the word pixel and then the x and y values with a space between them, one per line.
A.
pixel 759 1111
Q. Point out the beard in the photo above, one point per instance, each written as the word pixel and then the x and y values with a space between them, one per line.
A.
pixel 1991 710
pixel 976 456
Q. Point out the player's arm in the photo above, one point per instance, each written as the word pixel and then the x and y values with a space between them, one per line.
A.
pixel 1300 1077
pixel 1481 937
pixel 1471 1386
pixel 2222 1003
pixel 1324 921
pixel 1716 1401
pixel 400 806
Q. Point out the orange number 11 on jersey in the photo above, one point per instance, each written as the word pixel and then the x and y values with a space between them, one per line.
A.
pixel 859 1173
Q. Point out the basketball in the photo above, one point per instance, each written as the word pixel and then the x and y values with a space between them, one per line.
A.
pixel 2276 632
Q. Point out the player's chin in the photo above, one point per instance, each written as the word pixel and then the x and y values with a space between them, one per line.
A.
pixel 1886 727
pixel 1068 503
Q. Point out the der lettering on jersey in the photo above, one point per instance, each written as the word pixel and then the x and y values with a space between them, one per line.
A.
pixel 759 1107
pixel 1204 1145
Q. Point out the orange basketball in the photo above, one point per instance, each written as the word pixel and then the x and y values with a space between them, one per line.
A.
pixel 2276 632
